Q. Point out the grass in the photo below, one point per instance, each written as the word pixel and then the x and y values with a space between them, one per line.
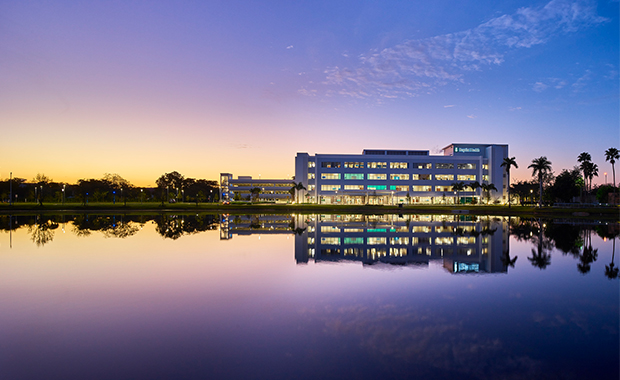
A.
pixel 610 212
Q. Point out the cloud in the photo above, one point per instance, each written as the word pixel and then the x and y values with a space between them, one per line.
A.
pixel 289 47
pixel 422 65
pixel 472 116
pixel 539 87
pixel 581 82
pixel 515 108
pixel 449 106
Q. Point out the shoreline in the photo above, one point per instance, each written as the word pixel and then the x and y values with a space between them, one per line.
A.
pixel 607 212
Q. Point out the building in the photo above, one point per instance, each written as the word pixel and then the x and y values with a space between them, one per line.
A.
pixel 403 176
pixel 271 190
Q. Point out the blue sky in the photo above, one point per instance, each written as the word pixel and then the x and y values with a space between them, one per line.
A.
pixel 141 88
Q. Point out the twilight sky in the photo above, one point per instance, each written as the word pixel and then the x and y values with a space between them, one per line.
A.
pixel 140 88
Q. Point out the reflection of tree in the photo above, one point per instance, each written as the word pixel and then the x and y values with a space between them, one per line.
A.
pixel 610 270
pixel 566 237
pixel 540 257
pixel 121 230
pixel 589 255
pixel 507 260
pixel 174 226
pixel 41 232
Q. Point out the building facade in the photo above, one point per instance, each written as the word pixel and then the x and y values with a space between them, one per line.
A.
pixel 271 190
pixel 404 176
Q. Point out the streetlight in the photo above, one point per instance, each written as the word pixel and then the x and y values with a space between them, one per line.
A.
pixel 605 178
pixel 182 195
pixel 141 194
pixel 63 193
pixel 11 188
pixel 531 196
pixel 114 197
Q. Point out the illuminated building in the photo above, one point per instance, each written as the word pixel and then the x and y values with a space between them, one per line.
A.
pixel 403 176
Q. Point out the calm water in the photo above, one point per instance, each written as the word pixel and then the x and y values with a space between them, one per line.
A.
pixel 306 297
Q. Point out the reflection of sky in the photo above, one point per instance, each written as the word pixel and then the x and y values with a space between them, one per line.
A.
pixel 152 307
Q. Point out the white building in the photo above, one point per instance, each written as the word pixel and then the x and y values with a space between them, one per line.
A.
pixel 403 176
pixel 271 190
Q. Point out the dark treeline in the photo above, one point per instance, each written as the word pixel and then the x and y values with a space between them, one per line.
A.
pixel 171 187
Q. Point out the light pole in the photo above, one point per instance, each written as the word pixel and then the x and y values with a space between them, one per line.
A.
pixel 123 198
pixel 114 197
pixel 141 194
pixel 63 193
pixel 11 188
pixel 211 195
pixel 183 196
pixel 605 178
pixel 531 196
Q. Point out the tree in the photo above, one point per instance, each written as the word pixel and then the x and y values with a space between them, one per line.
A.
pixel 611 155
pixel 566 185
pixel 590 170
pixel 255 193
pixel 540 166
pixel 583 159
pixel 487 188
pixel 297 187
pixel 507 164
pixel 173 179
pixel 458 187
pixel 474 185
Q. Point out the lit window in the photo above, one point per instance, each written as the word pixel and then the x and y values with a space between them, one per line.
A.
pixel 377 176
pixel 330 240
pixel 354 165
pixel 444 177
pixel 398 165
pixel 353 175
pixel 398 252
pixel 444 166
pixel 354 240
pixel 443 188
pixel 421 188
pixel 354 187
pixel 466 166
pixel 466 177
pixel 330 187
pixel 377 165
pixel 330 175
pixel 310 175
pixel 421 165
pixel 399 188
pixel 399 176
pixel 311 164
pixel 376 240
pixel 376 187
pixel 397 240
pixel 330 164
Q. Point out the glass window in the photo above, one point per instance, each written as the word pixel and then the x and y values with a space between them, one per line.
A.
pixel 330 240
pixel 330 175
pixel 444 177
pixel 310 175
pixel 354 187
pixel 466 166
pixel 354 240
pixel 377 165
pixel 376 187
pixel 330 229
pixel 443 240
pixel 311 187
pixel 485 177
pixel 399 188
pixel 421 188
pixel 421 229
pixel 444 166
pixel 377 176
pixel 466 177
pixel 443 188
pixel 330 164
pixel 421 165
pixel 376 240
pixel 399 176
pixel 353 175
pixel 311 164
pixel 330 187
pixel 397 240
pixel 398 252
pixel 354 165
pixel 466 240
pixel 398 165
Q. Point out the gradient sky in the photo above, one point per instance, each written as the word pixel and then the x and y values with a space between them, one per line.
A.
pixel 140 88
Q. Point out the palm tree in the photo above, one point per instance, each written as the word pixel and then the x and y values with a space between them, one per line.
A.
pixel 583 159
pixel 507 164
pixel 458 187
pixel 474 185
pixel 610 271
pixel 540 166
pixel 487 188
pixel 507 260
pixel 612 155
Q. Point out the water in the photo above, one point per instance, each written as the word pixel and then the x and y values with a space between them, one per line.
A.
pixel 306 297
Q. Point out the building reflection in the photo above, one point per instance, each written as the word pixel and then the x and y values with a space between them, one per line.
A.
pixel 462 243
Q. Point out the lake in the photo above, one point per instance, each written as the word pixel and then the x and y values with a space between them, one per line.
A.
pixel 307 297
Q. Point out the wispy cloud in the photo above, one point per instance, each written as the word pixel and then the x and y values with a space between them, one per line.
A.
pixel 472 116
pixel 515 108
pixel 582 81
pixel 420 66
pixel 449 106
pixel 539 87
pixel 289 47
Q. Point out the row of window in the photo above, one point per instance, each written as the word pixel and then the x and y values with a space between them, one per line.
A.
pixel 392 165
pixel 382 187
pixel 376 253
pixel 440 240
pixel 395 176
pixel 421 229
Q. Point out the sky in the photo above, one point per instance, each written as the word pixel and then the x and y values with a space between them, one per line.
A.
pixel 141 88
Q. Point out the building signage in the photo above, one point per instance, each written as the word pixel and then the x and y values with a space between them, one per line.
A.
pixel 467 150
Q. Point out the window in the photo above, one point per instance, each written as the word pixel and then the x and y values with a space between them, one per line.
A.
pixel 421 165
pixel 376 240
pixel 425 177
pixel 354 187
pixel 485 166
pixel 330 164
pixel 399 188
pixel 485 177
pixel 354 240
pixel 421 188
pixel 375 253
pixel 396 176
pixel 399 240
pixel 376 187
pixel 353 230
pixel 398 252
pixel 465 240
pixel 377 176
pixel 443 188
pixel 330 240
pixel 354 165
pixel 377 165
pixel 330 229
pixel 330 175
pixel 466 177
pixel 444 166
pixel 424 229
pixel 311 187
pixel 398 165
pixel 443 241
pixel 353 175
pixel 311 164
pixel 310 175
pixel 353 252
pixel 444 177
pixel 467 166
pixel 330 187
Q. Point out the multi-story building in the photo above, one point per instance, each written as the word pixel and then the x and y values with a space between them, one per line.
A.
pixel 275 190
pixel 404 176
